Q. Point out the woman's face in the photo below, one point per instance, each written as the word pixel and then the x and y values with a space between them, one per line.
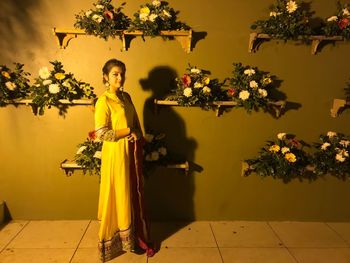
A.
pixel 116 77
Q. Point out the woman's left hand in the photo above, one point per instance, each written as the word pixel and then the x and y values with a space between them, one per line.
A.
pixel 134 136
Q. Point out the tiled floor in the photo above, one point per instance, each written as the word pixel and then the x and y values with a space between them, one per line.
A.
pixel 195 242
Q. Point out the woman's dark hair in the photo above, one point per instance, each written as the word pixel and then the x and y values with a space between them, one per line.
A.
pixel 111 64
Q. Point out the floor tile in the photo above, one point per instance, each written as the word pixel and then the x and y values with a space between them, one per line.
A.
pixel 307 234
pixel 244 234
pixel 90 255
pixel 30 255
pixel 195 234
pixel 343 229
pixel 256 255
pixel 90 239
pixel 321 255
pixel 50 234
pixel 9 231
pixel 186 255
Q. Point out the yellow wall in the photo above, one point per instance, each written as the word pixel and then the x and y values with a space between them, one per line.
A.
pixel 32 147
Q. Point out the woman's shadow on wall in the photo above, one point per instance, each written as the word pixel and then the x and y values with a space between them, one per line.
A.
pixel 169 192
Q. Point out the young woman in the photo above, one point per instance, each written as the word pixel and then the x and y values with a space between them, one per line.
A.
pixel 121 204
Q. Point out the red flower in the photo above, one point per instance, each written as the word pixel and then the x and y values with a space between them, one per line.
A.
pixel 92 135
pixel 108 14
pixel 231 92
pixel 343 23
pixel 294 142
pixel 186 80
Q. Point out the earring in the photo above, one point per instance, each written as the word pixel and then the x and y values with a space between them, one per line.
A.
pixel 107 84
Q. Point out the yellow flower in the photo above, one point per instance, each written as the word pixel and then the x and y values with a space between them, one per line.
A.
pixel 5 74
pixel 60 75
pixel 290 157
pixel 274 148
pixel 145 10
pixel 206 80
pixel 266 81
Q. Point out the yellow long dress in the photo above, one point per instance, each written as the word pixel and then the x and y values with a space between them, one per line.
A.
pixel 115 207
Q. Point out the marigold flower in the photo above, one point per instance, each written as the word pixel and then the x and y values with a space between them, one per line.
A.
pixel 291 6
pixel 60 75
pixel 5 74
pixel 274 148
pixel 290 157
pixel 206 80
pixel 244 95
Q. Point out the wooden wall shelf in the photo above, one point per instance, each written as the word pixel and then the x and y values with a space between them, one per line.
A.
pixel 183 36
pixel 70 166
pixel 277 106
pixel 73 102
pixel 255 40
pixel 338 105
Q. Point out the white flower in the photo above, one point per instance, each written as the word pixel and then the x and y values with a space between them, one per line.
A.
pixel 153 17
pixel 54 88
pixel 81 149
pixel 10 85
pixel 262 92
pixel 156 3
pixel 285 150
pixel 281 135
pixel 44 73
pixel 244 94
pixel 331 134
pixel 149 137
pixel 325 145
pixel 148 158
pixel 88 13
pixel 143 16
pixel 98 154
pixel 206 90
pixel 188 92
pixel 346 12
pixel 291 6
pixel 154 156
pixel 195 71
pixel 97 18
pixel 339 157
pixel 249 72
pixel 253 84
pixel 47 82
pixel 332 18
pixel 162 151
pixel 100 7
pixel 198 85
pixel 344 143
pixel 274 14
pixel 166 13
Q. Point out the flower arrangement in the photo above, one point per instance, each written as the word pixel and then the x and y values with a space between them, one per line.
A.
pixel 13 83
pixel 332 154
pixel 288 20
pixel 284 158
pixel 103 21
pixel 195 87
pixel 153 17
pixel 89 155
pixel 52 86
pixel 338 24
pixel 250 87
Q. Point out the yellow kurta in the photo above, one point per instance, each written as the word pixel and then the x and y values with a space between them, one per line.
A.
pixel 114 208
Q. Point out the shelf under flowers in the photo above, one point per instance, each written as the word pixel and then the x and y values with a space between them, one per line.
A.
pixel 182 36
pixel 70 166
pixel 338 105
pixel 255 39
pixel 278 106
pixel 73 102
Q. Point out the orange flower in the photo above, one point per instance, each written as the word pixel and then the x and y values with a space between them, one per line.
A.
pixel 5 74
pixel 186 80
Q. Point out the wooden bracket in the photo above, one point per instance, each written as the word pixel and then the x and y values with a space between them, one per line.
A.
pixel 316 41
pixel 65 35
pixel 278 107
pixel 338 104
pixel 255 40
